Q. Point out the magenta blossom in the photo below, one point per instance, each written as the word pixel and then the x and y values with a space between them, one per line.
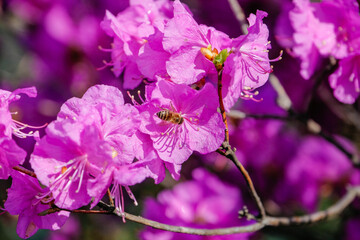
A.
pixel 67 157
pixel 133 157
pixel 305 184
pixel 343 16
pixel 211 204
pixel 181 120
pixel 346 79
pixel 131 30
pixel 13 126
pixel 27 199
pixel 10 154
pixel 313 38
pixel 248 66
pixel 189 43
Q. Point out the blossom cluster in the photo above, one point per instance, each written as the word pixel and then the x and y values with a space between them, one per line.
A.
pixel 99 142
pixel 106 141
pixel 162 41
pixel 318 30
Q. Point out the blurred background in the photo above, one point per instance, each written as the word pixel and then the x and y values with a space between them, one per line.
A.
pixel 54 46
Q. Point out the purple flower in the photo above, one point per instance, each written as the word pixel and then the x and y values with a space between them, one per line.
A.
pixel 346 79
pixel 131 30
pixel 13 126
pixel 309 38
pixel 312 37
pixel 117 124
pixel 248 66
pixel 67 157
pixel 343 16
pixel 187 41
pixel 10 154
pixel 27 199
pixel 211 204
pixel 304 182
pixel 181 120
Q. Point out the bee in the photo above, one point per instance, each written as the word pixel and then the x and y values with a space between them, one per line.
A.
pixel 170 116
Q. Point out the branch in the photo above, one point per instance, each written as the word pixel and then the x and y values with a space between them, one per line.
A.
pixel 268 221
pixel 222 108
pixel 239 14
pixel 219 231
pixel 230 154
pixel 333 211
pixel 24 170
pixel 236 114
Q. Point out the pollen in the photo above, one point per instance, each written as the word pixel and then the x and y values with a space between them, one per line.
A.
pixel 114 154
pixel 209 53
pixel 63 169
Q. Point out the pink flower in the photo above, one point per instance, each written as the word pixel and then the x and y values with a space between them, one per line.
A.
pixel 343 17
pixel 248 67
pixel 27 199
pixel 10 154
pixel 67 157
pixel 131 30
pixel 133 157
pixel 185 40
pixel 312 37
pixel 346 79
pixel 13 126
pixel 181 120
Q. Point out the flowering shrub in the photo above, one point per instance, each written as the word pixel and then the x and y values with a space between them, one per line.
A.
pixel 178 94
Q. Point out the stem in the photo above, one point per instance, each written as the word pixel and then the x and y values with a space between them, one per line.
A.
pixel 24 170
pixel 110 198
pixel 219 231
pixel 230 154
pixel 332 211
pixel 222 108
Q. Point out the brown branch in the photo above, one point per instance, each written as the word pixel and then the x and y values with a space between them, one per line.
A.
pixel 267 221
pixel 221 102
pixel 333 211
pixel 236 114
pixel 230 154
pixel 24 170
pixel 219 231
pixel 239 14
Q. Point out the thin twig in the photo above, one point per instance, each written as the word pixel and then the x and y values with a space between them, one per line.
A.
pixel 332 211
pixel 230 154
pixel 239 14
pixel 110 198
pixel 222 108
pixel 236 114
pixel 24 170
pixel 218 231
